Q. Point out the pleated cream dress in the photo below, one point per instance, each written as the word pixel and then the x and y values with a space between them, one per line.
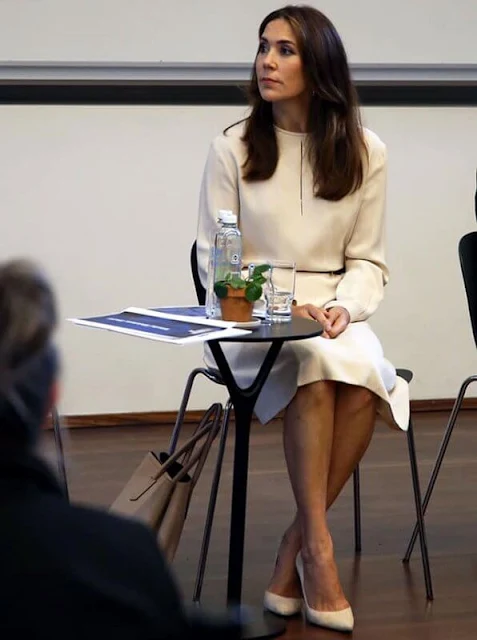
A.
pixel 281 219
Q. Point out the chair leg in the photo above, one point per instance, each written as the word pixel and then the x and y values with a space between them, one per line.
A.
pixel 357 510
pixel 419 512
pixel 440 457
pixel 183 407
pixel 212 503
pixel 60 450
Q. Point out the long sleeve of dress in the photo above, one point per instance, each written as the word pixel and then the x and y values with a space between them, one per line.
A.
pixel 219 190
pixel 361 288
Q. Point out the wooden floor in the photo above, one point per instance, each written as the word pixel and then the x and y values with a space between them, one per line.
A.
pixel 388 599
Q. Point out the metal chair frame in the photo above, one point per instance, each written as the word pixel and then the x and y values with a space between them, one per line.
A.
pixel 60 453
pixel 420 509
pixel 215 377
pixel 467 250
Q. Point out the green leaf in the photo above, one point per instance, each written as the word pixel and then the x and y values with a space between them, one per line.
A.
pixel 259 279
pixel 253 292
pixel 237 282
pixel 220 290
pixel 261 268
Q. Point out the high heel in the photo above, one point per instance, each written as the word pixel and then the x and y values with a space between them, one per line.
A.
pixel 281 605
pixel 337 620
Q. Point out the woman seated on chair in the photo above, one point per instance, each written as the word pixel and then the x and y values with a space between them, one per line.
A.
pixel 308 183
pixel 67 572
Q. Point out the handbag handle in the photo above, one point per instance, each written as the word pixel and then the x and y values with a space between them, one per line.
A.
pixel 200 456
pixel 187 448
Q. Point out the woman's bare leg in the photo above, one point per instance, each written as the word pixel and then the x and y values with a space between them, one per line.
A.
pixel 353 414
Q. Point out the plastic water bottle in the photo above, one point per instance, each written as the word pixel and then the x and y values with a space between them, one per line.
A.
pixel 211 304
pixel 228 248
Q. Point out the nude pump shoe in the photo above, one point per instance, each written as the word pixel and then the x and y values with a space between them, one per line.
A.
pixel 337 620
pixel 281 605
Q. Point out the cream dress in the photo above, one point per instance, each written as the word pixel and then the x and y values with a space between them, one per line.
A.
pixel 280 218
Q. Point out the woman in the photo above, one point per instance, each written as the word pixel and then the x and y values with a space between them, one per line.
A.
pixel 308 183
pixel 67 571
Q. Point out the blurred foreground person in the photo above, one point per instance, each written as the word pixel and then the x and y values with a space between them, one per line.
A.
pixel 67 571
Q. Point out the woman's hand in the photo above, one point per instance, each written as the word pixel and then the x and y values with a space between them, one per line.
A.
pixel 311 312
pixel 334 321
pixel 339 319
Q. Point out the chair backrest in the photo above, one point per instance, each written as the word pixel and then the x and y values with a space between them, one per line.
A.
pixel 468 264
pixel 199 289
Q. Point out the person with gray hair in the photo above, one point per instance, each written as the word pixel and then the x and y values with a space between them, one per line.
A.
pixel 67 571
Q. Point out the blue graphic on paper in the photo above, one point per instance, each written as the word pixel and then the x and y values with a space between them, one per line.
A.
pixel 192 312
pixel 153 326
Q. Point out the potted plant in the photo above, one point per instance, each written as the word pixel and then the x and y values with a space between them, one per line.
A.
pixel 237 293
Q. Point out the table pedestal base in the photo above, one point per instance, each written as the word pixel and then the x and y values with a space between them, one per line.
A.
pixel 263 624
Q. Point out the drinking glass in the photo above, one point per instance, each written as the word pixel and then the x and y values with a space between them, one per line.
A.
pixel 279 290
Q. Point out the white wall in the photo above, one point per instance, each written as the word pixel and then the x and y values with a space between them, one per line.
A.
pixel 106 199
pixel 375 31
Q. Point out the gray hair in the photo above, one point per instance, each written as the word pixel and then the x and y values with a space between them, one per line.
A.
pixel 28 359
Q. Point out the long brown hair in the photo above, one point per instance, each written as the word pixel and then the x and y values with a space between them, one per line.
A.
pixel 336 144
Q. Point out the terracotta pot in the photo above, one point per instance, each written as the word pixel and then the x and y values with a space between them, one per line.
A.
pixel 235 307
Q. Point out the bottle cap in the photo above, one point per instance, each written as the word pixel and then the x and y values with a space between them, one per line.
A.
pixel 227 216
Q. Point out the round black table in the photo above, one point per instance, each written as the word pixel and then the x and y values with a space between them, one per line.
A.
pixel 263 625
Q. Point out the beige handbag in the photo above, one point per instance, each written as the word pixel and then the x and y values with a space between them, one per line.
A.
pixel 159 491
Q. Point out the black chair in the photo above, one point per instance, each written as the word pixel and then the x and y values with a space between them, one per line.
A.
pixel 60 454
pixel 468 264
pixel 215 377
pixel 407 375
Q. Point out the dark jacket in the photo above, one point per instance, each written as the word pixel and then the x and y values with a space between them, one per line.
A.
pixel 71 572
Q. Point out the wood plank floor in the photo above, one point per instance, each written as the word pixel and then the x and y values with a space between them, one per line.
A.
pixel 388 598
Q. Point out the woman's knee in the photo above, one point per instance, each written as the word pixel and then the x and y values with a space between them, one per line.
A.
pixel 319 388
pixel 318 392
pixel 356 396
pixel 313 404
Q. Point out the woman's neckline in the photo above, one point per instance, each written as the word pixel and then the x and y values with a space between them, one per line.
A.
pixel 295 134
